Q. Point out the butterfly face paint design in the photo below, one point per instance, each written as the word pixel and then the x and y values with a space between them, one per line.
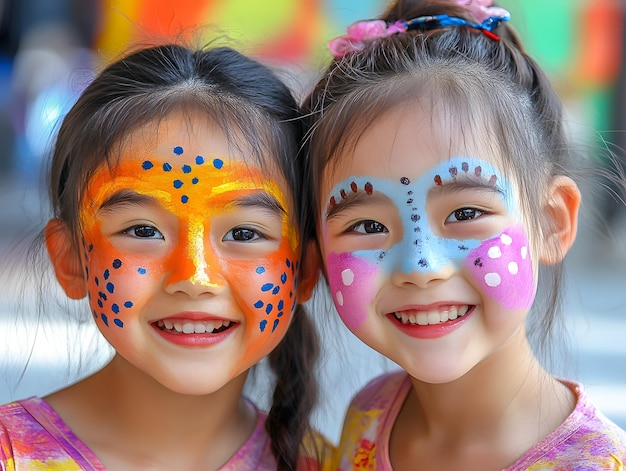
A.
pixel 500 264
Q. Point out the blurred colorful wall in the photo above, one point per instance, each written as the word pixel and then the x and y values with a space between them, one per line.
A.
pixel 50 48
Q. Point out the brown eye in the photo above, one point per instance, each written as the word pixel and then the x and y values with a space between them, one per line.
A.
pixel 464 214
pixel 369 227
pixel 242 234
pixel 144 232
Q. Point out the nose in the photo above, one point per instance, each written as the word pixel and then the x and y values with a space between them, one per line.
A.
pixel 421 263
pixel 194 267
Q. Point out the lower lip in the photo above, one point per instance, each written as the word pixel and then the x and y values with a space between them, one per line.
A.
pixel 433 331
pixel 195 340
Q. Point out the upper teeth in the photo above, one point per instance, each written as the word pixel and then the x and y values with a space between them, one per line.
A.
pixel 431 317
pixel 193 327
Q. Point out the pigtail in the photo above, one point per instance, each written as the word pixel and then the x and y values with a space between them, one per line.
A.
pixel 295 392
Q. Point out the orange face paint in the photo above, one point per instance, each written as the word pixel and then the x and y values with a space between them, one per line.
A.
pixel 165 236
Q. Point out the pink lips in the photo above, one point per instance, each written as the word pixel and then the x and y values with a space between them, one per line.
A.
pixel 194 329
pixel 429 331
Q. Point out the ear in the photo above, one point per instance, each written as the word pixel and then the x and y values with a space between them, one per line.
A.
pixel 65 259
pixel 561 210
pixel 309 272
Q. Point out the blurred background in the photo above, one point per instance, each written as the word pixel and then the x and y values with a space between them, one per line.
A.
pixel 51 49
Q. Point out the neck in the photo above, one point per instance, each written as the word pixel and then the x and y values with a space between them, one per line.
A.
pixel 138 417
pixel 507 398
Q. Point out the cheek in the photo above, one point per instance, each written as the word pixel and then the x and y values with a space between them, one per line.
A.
pixel 265 292
pixel 352 283
pixel 503 269
pixel 114 285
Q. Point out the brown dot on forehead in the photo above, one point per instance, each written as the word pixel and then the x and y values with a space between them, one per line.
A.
pixel 478 171
pixel 405 181
pixel 353 187
pixel 437 180
pixel 343 194
pixel 453 171
pixel 492 180
pixel 369 188
pixel 465 167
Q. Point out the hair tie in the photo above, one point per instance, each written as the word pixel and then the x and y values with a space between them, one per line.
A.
pixel 362 32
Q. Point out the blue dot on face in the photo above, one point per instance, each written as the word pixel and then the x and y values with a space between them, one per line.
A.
pixel 105 319
pixel 117 263
pixel 128 304
pixel 268 308
pixel 96 281
pixel 186 168
pixel 283 278
pixel 147 165
pixel 276 290
pixel 167 167
pixel 141 271
pixel 100 303
pixel 218 163
pixel 118 322
pixel 178 184
pixel 262 325
pixel 260 270
pixel 115 308
pixel 178 150
pixel 267 287
pixel 276 321
pixel 194 181
pixel 280 314
pixel 288 263
pixel 110 287
pixel 199 160
pixel 184 199
pixel 258 304
pixel 281 305
pixel 102 295
pixel 106 274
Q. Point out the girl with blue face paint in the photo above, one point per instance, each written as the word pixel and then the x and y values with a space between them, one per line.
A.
pixel 442 178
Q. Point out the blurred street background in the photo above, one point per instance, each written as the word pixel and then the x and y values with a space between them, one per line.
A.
pixel 50 50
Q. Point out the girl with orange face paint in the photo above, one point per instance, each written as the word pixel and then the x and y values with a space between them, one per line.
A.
pixel 176 195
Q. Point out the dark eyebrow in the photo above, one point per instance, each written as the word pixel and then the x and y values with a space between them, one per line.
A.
pixel 125 198
pixel 261 200
pixel 464 184
pixel 354 199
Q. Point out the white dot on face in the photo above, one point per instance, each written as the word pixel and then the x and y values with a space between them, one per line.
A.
pixel 524 252
pixel 506 239
pixel 339 297
pixel 347 277
pixel 513 268
pixel 494 252
pixel 492 279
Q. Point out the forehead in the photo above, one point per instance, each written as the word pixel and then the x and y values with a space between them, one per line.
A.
pixel 407 140
pixel 185 159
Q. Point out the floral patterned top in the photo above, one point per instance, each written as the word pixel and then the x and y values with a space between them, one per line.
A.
pixel 587 440
pixel 34 437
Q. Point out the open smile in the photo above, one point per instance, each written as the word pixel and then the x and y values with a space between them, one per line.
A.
pixel 432 323
pixel 432 316
pixel 180 326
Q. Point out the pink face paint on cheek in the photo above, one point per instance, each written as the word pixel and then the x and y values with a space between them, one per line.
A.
pixel 503 269
pixel 352 283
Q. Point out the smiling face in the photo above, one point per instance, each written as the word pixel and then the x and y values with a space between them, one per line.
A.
pixel 426 253
pixel 190 255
